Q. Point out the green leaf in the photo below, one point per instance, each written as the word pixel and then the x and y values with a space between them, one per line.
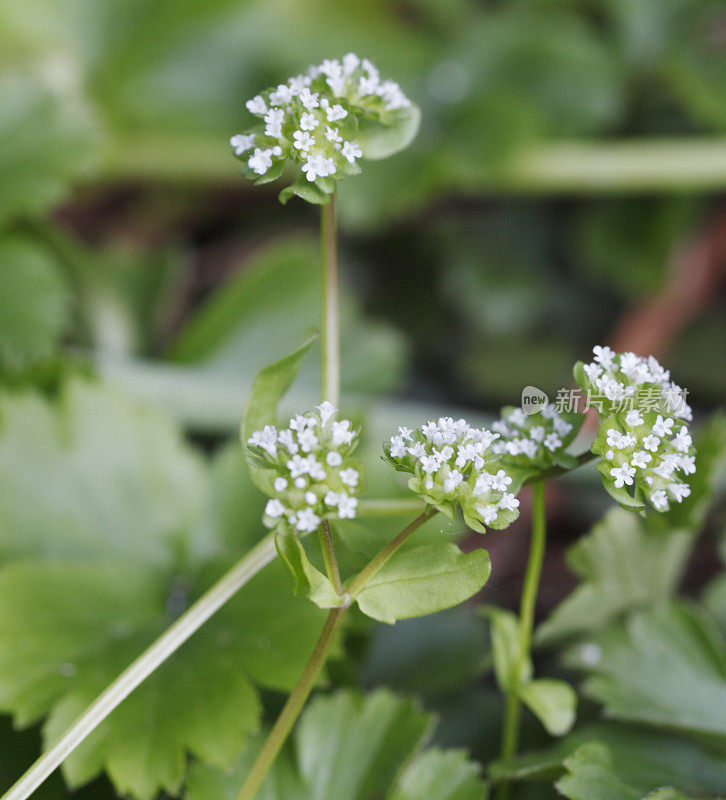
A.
pixel 626 561
pixel 309 581
pixel 505 644
pixel 440 775
pixel 96 477
pixel 270 385
pixel 591 776
pixel 111 492
pixel 33 309
pixel 349 747
pixel 663 667
pixel 48 139
pixel 379 141
pixel 642 759
pixel 553 702
pixel 307 190
pixel 423 580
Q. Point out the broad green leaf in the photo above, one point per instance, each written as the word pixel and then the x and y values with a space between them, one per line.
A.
pixel 350 747
pixel 111 493
pixel 504 627
pixel 440 775
pixel 270 385
pixel 629 561
pixel 553 702
pixel 96 476
pixel 591 776
pixel 423 580
pixel 33 308
pixel 626 561
pixel 309 581
pixel 641 759
pixel 305 189
pixel 663 667
pixel 381 141
pixel 48 139
pixel 66 631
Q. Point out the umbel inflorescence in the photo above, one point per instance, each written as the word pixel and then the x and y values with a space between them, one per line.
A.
pixel 643 439
pixel 453 464
pixel 314 476
pixel 313 121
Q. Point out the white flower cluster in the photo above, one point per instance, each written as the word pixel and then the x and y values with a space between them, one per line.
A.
pixel 539 438
pixel 315 478
pixel 453 464
pixel 647 451
pixel 622 381
pixel 313 120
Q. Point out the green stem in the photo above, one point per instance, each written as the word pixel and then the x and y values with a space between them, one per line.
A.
pixel 294 705
pixel 212 600
pixel 331 321
pixel 329 557
pixel 512 712
pixel 295 702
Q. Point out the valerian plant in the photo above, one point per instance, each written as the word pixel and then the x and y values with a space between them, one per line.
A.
pixel 318 126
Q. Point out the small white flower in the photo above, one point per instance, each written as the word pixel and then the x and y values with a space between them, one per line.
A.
pixel 500 481
pixel 351 151
pixel 300 483
pixel 242 142
pixel 333 459
pixel 682 440
pixel 634 418
pixel 309 122
pixel 332 134
pixel 662 427
pixel 307 440
pixel 488 513
pixel 327 411
pixel 604 356
pixel 552 442
pixel 679 490
pixel 273 122
pixel 274 508
pixel 349 477
pixel 331 499
pixel 347 506
pixel 398 448
pixel 659 499
pixel 310 498
pixel 336 112
pixel 341 432
pixel 688 464
pixel 279 484
pixel 302 140
pixel 307 520
pixel 508 502
pixel 282 95
pixel 641 459
pixel 287 439
pixel 593 371
pixel 309 99
pixel 256 105
pixel 651 443
pixel 260 161
pixel 266 439
pixel 623 475
pixel 452 480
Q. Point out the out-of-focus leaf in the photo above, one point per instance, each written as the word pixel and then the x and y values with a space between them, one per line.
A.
pixel 96 477
pixel 270 385
pixel 553 702
pixel 349 747
pixel 33 308
pixel 47 140
pixel 378 141
pixel 429 655
pixel 238 330
pixel 628 561
pixel 663 667
pixel 505 640
pixel 110 492
pixel 423 580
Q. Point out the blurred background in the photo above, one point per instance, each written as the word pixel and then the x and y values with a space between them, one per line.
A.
pixel 567 188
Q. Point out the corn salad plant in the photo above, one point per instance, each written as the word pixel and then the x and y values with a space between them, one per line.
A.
pixel 316 129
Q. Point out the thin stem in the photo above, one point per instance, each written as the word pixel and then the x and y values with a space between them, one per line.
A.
pixel 331 321
pixel 512 712
pixel 375 564
pixel 210 602
pixel 331 562
pixel 295 702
